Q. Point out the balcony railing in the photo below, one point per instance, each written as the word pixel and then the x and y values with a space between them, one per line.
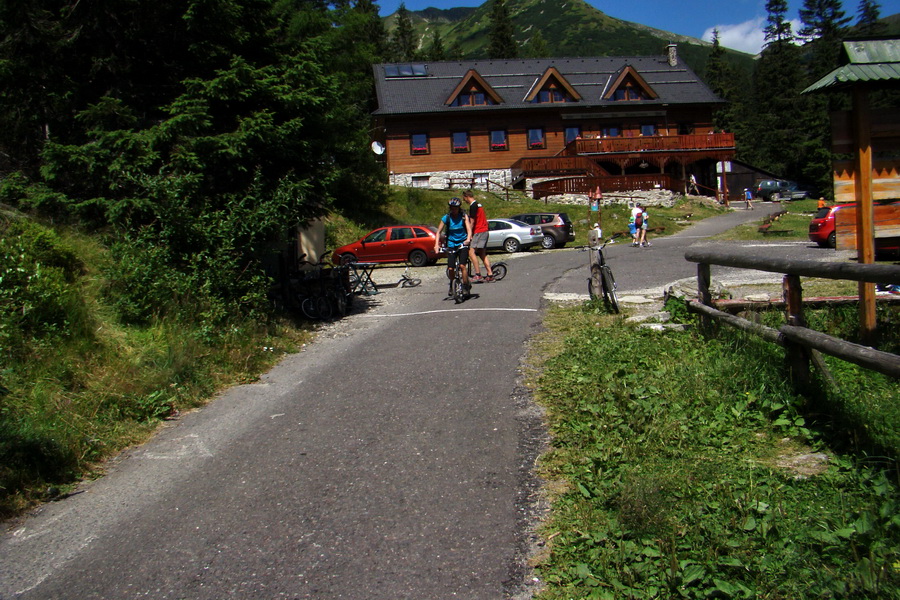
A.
pixel 622 183
pixel 655 143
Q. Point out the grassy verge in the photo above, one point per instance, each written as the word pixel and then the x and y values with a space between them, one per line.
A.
pixel 76 385
pixel 684 467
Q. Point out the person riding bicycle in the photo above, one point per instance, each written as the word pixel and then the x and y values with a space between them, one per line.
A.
pixel 459 233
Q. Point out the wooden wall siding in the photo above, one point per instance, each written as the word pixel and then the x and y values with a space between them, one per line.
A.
pixel 885 180
pixel 439 129
pixel 887 224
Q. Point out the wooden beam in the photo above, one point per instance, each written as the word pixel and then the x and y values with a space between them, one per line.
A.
pixel 865 215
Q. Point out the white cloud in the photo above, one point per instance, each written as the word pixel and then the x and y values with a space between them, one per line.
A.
pixel 748 36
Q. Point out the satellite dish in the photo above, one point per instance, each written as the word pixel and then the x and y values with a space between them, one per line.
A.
pixel 377 148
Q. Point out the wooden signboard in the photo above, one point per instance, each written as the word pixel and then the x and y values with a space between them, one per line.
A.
pixel 887 224
pixel 885 180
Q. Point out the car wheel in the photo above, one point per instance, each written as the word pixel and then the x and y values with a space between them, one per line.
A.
pixel 511 245
pixel 348 258
pixel 775 197
pixel 548 243
pixel 418 258
pixel 832 240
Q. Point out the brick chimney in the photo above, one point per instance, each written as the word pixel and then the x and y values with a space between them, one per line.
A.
pixel 672 54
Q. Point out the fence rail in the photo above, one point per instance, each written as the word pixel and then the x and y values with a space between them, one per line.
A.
pixel 801 343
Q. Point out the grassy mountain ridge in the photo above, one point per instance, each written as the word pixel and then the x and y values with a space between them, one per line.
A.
pixel 572 29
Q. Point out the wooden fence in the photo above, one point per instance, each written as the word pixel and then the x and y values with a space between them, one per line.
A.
pixel 802 345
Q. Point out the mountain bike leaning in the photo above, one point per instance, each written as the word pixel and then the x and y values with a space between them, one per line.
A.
pixel 499 270
pixel 601 283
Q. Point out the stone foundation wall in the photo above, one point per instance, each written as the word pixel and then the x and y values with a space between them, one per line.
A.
pixel 440 180
pixel 664 198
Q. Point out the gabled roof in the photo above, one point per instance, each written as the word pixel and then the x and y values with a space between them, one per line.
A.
pixel 513 80
pixel 469 77
pixel 629 72
pixel 868 61
pixel 552 73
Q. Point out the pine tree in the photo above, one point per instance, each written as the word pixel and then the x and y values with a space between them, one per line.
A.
pixel 537 46
pixel 403 42
pixel 722 81
pixel 502 44
pixel 436 49
pixel 778 28
pixel 869 15
pixel 822 19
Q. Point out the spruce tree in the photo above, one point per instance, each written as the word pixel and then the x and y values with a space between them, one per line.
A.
pixel 869 14
pixel 537 46
pixel 403 42
pixel 502 44
pixel 436 49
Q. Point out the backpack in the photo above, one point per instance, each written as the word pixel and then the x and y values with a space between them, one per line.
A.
pixel 639 219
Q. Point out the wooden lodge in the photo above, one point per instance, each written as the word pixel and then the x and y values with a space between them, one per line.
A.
pixel 552 126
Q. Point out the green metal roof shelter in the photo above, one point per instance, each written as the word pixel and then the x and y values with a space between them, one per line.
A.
pixel 873 63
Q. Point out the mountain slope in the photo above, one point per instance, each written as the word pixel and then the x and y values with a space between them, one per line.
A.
pixel 573 28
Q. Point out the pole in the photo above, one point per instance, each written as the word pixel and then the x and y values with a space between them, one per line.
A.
pixel 865 211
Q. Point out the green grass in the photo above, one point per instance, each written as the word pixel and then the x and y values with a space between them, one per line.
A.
pixel 667 471
pixel 74 394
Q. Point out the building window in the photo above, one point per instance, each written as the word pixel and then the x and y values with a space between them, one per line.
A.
pixel 611 131
pixel 460 141
pixel 630 92
pixel 472 96
pixel 418 144
pixel 421 181
pixel 480 178
pixel 572 133
pixel 536 139
pixel 685 128
pixel 647 130
pixel 551 94
pixel 499 140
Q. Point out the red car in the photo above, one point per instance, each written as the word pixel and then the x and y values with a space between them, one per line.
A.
pixel 822 226
pixel 397 243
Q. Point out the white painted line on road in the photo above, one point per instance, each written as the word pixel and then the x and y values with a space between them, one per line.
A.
pixel 447 310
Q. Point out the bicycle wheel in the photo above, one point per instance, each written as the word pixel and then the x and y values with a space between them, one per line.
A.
pixel 323 308
pixel 308 307
pixel 410 282
pixel 609 290
pixel 499 271
pixel 459 292
pixel 595 287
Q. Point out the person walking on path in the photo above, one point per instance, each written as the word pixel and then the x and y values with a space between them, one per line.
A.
pixel 478 248
pixel 633 226
pixel 641 223
pixel 459 233
pixel 748 196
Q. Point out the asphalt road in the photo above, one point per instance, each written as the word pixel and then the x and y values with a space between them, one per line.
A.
pixel 390 459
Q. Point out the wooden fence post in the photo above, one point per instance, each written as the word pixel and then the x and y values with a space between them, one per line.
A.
pixel 796 354
pixel 703 281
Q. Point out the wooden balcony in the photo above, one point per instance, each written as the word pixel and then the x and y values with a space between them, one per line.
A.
pixel 557 166
pixel 657 143
pixel 622 183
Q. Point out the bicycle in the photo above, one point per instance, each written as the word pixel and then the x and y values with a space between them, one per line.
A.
pixel 601 283
pixel 498 269
pixel 458 290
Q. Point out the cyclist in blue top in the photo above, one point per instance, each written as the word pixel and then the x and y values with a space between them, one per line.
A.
pixel 459 233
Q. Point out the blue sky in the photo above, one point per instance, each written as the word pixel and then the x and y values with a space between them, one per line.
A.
pixel 740 22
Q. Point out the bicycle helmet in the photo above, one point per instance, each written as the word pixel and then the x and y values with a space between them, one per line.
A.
pixel 454 202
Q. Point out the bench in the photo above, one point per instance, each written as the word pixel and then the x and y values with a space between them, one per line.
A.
pixel 766 229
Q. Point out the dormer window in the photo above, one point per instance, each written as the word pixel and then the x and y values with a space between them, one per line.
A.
pixel 551 94
pixel 473 90
pixel 630 92
pixel 472 96
pixel 629 86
